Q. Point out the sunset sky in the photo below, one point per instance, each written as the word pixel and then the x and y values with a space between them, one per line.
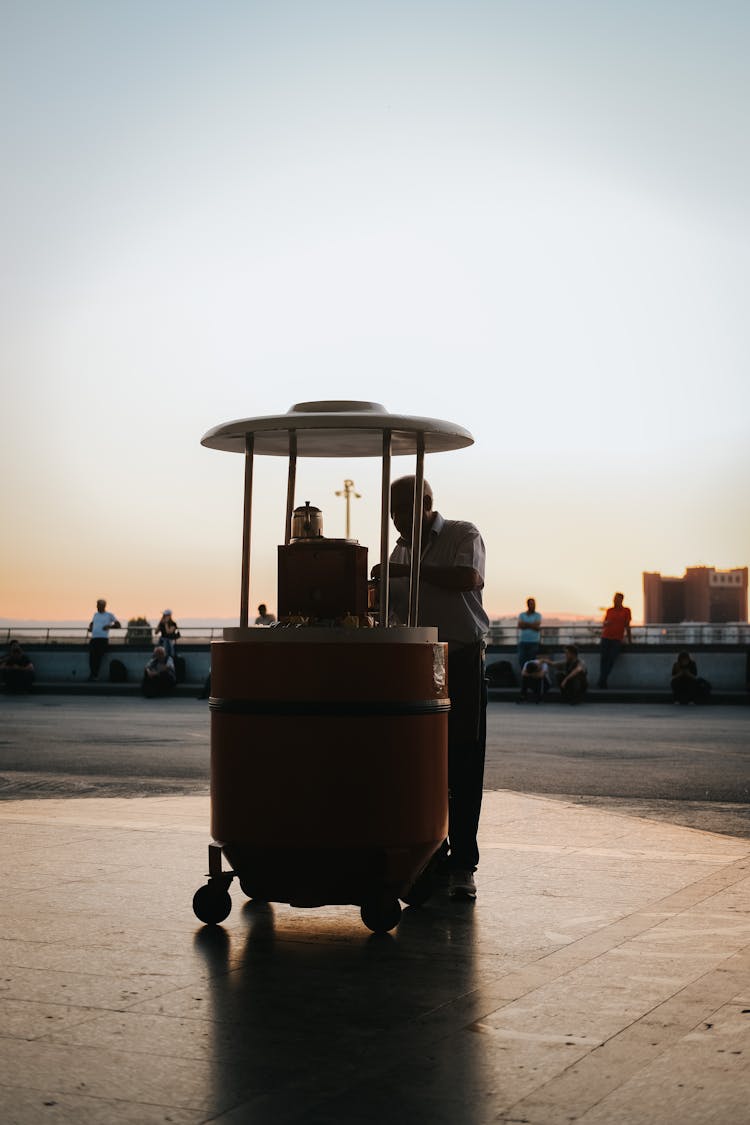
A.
pixel 530 218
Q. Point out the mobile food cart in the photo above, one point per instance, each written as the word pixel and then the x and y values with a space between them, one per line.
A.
pixel 329 730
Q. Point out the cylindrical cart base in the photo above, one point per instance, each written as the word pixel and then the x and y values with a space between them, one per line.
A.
pixel 328 765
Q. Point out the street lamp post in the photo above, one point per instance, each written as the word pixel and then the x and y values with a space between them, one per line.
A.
pixel 347 493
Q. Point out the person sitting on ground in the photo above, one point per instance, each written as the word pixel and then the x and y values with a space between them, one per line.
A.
pixel 535 679
pixel 264 617
pixel 159 677
pixel 17 669
pixel 572 676
pixel 168 632
pixel 687 685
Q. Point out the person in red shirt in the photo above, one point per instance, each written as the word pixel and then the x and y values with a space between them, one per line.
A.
pixel 615 627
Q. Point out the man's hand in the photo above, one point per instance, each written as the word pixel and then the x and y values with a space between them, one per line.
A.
pixel 395 570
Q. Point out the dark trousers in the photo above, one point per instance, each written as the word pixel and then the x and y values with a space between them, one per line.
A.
pixel 18 679
pixel 155 686
pixel 574 690
pixel 527 650
pixel 537 685
pixel 685 689
pixel 467 736
pixel 97 649
pixel 609 650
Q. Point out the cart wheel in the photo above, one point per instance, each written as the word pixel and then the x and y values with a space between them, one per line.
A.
pixel 212 904
pixel 381 915
pixel 421 889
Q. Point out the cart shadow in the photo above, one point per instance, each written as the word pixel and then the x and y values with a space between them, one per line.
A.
pixel 318 1022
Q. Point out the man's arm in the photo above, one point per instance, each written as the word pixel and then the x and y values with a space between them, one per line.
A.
pixel 576 670
pixel 456 578
pixel 446 577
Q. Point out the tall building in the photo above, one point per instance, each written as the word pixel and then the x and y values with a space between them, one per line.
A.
pixel 702 594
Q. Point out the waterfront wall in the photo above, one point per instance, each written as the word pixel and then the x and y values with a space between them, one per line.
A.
pixel 646 667
pixel 69 664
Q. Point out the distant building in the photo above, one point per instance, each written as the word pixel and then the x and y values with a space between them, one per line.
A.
pixel 702 594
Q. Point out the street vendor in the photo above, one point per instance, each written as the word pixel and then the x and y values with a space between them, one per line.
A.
pixel 450 599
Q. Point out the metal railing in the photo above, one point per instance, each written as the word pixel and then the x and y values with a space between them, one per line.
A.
pixel 76 634
pixel 686 633
pixel 501 633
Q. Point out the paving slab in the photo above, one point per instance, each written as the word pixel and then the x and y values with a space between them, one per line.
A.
pixel 602 976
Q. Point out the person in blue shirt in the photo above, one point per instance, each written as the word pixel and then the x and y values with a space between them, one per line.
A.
pixel 529 627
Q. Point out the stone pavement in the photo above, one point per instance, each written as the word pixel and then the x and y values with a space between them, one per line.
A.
pixel 602 977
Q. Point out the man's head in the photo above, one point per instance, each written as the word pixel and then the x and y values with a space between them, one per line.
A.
pixel 160 652
pixel 402 506
pixel 262 609
pixel 101 605
pixel 571 652
pixel 619 598
pixel 531 604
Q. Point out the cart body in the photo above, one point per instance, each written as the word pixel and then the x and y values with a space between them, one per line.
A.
pixel 329 773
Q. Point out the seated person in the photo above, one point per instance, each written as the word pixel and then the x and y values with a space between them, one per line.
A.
pixel 535 679
pixel 572 676
pixel 17 669
pixel 159 677
pixel 687 685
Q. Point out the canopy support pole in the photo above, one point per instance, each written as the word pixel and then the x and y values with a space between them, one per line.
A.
pixel 246 521
pixel 385 511
pixel 416 535
pixel 290 484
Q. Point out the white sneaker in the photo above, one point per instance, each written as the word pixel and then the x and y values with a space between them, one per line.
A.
pixel 461 885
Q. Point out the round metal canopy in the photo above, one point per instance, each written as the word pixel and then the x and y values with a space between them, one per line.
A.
pixel 337 429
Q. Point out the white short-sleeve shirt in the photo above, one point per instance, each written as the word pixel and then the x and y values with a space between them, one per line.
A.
pixel 99 622
pixel 458 614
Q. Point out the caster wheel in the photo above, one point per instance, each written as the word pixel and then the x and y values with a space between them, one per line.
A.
pixel 381 915
pixel 212 905
pixel 421 889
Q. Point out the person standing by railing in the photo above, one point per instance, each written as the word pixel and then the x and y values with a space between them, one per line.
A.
pixel 264 617
pixel 615 628
pixel 168 633
pixel 99 627
pixel 529 629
